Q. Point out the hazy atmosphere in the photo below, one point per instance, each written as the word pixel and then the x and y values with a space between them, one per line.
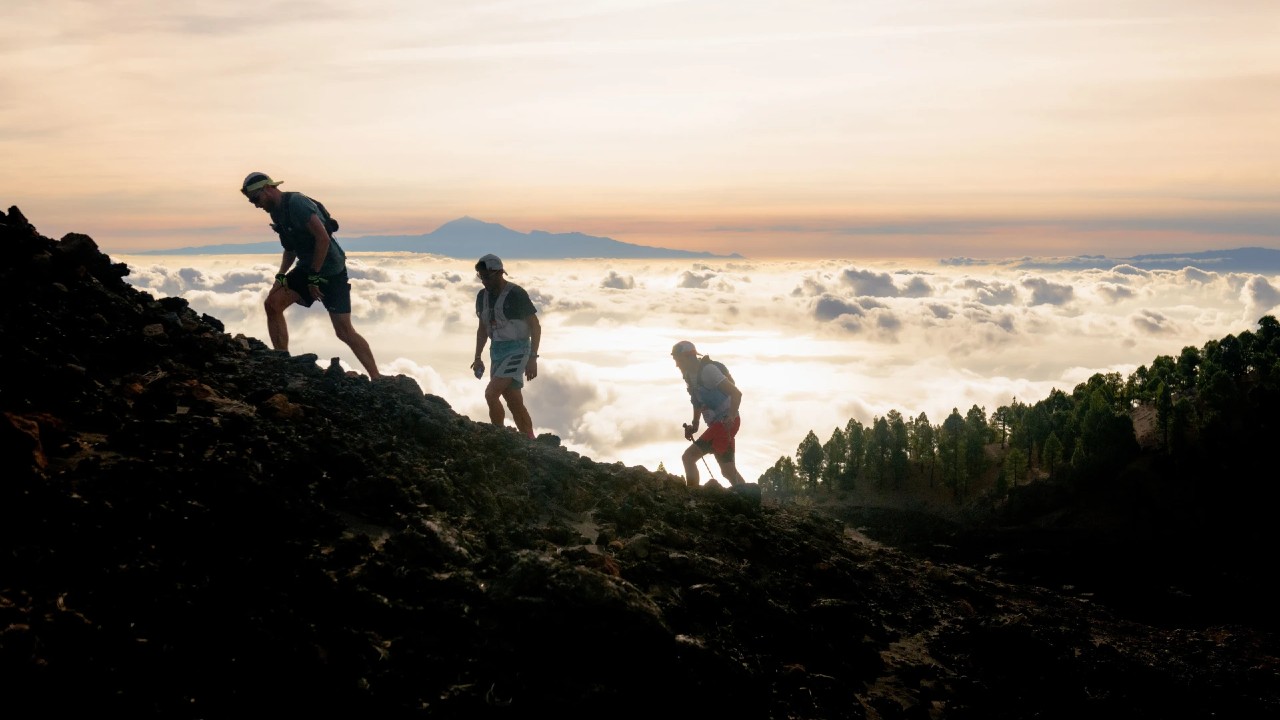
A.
pixel 812 344
pixel 860 207
pixel 811 129
pixel 820 140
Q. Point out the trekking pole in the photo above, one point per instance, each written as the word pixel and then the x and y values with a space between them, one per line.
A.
pixel 688 433
pixel 708 467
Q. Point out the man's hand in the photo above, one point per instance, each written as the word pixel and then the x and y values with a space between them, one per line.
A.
pixel 314 281
pixel 282 279
pixel 531 368
pixel 689 430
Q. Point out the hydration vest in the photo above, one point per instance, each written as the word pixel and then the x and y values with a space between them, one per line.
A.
pixel 708 397
pixel 500 326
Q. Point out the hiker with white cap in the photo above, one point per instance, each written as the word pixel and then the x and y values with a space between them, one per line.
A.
pixel 508 317
pixel 715 399
pixel 306 233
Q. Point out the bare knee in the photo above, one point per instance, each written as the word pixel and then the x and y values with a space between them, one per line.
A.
pixel 493 395
pixel 514 398
pixel 277 301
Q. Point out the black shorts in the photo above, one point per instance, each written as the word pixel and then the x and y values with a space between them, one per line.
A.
pixel 336 289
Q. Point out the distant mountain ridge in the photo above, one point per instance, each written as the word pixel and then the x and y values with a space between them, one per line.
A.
pixel 1247 259
pixel 470 238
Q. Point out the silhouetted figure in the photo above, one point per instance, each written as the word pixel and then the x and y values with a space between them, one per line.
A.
pixel 508 317
pixel 321 270
pixel 715 398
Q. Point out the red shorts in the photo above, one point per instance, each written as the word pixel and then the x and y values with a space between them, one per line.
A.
pixel 719 439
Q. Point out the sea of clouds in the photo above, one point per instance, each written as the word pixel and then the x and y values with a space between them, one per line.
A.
pixel 811 343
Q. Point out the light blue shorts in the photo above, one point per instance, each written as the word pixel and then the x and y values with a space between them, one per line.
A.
pixel 507 359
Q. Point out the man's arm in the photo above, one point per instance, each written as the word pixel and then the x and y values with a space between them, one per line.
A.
pixel 691 428
pixel 286 261
pixel 535 339
pixel 318 231
pixel 735 397
pixel 321 235
pixel 482 336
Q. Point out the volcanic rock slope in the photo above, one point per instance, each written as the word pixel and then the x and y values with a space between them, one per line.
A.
pixel 194 525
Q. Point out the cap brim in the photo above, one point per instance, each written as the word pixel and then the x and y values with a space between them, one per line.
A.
pixel 259 185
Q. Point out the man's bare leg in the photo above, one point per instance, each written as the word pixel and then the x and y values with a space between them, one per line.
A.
pixel 690 458
pixel 354 340
pixel 519 413
pixel 277 301
pixel 493 395
pixel 730 471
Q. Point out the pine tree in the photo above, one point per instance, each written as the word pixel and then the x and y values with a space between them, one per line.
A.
pixel 835 454
pixel 809 459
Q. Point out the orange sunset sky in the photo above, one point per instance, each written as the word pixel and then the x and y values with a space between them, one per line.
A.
pixel 926 128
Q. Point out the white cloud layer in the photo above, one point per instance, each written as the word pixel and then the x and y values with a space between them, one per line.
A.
pixel 811 344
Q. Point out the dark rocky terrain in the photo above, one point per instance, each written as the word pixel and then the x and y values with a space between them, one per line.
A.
pixel 194 525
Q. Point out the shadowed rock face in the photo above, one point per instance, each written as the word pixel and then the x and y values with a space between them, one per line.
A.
pixel 193 525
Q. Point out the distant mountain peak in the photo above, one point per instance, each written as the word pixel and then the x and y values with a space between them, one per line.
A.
pixel 470 237
pixel 467 221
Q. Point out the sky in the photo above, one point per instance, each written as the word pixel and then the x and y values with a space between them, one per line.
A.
pixel 808 129
pixel 811 343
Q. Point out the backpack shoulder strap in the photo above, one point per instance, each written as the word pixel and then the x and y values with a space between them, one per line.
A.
pixel 329 223
pixel 706 360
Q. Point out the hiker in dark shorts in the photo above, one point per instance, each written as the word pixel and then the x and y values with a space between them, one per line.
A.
pixel 715 399
pixel 321 272
pixel 508 317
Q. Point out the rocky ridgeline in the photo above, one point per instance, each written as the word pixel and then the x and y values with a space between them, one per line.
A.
pixel 195 525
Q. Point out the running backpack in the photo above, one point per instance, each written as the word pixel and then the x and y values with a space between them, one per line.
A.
pixel 700 394
pixel 329 223
pixel 706 360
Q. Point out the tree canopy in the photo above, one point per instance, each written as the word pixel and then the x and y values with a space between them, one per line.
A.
pixel 1217 401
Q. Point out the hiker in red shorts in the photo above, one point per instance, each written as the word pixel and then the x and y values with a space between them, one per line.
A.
pixel 715 399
